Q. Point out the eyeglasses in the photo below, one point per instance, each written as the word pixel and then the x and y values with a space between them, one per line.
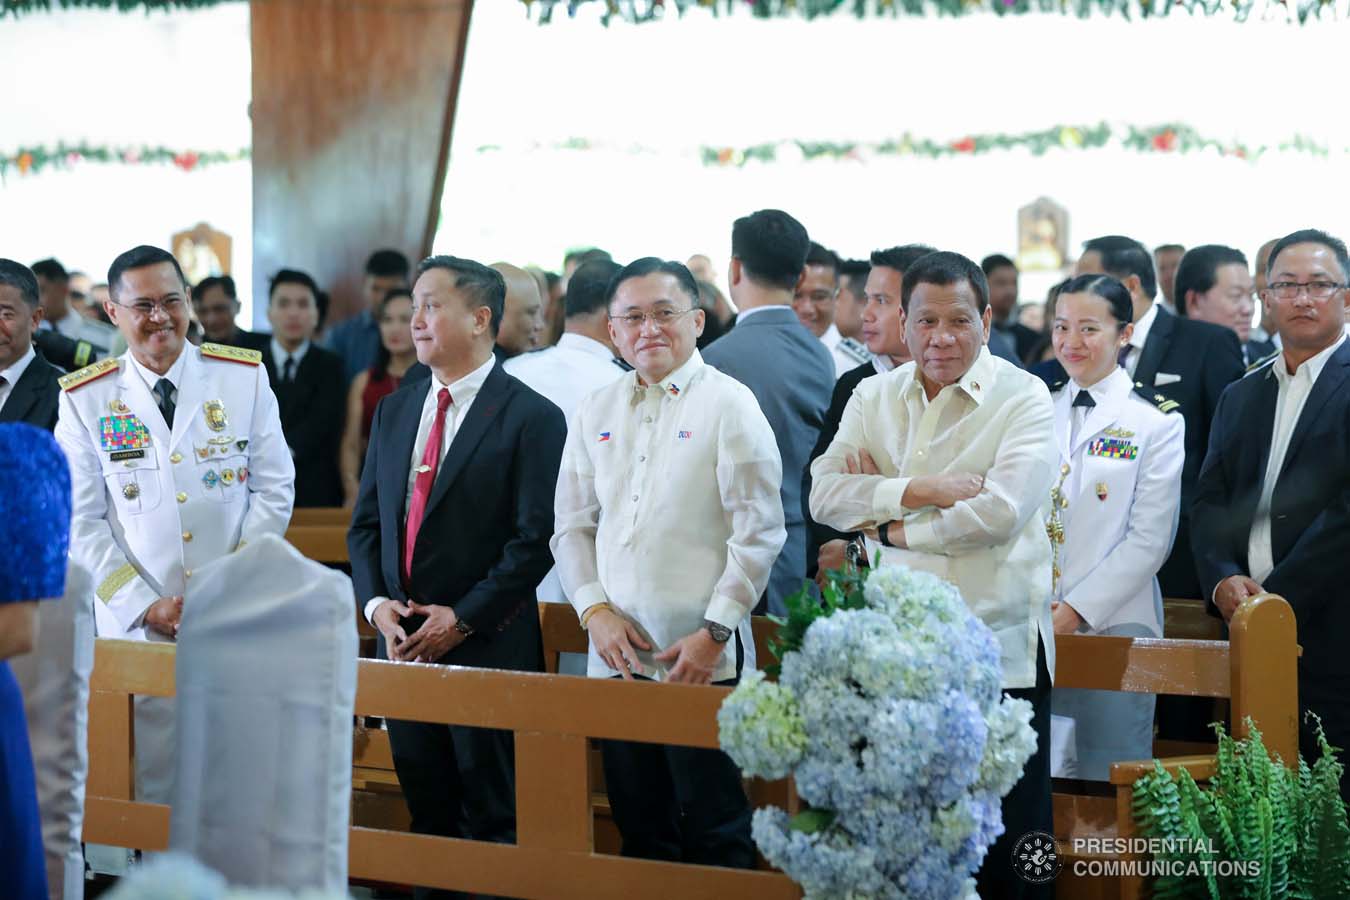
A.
pixel 1317 290
pixel 147 308
pixel 660 317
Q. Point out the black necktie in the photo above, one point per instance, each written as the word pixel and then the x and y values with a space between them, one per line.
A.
pixel 164 390
pixel 288 370
pixel 1084 399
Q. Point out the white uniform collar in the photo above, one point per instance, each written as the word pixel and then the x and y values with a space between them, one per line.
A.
pixel 831 337
pixel 175 373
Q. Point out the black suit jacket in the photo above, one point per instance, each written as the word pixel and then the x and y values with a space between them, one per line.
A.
pixel 1195 361
pixel 483 546
pixel 33 399
pixel 1309 511
pixel 313 410
pixel 817 534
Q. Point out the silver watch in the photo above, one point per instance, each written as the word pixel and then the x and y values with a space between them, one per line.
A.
pixel 720 633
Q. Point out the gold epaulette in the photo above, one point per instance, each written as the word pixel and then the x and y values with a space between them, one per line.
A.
pixel 232 354
pixel 1158 400
pixel 89 373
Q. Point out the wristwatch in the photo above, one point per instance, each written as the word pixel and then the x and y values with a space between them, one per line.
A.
pixel 720 633
pixel 884 534
pixel 463 627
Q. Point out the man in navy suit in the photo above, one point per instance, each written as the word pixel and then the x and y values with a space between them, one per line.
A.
pixel 1272 509
pixel 786 367
pixel 28 383
pixel 449 539
pixel 1183 360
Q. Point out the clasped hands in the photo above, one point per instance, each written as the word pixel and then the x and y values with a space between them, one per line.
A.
pixel 437 636
pixel 165 615
pixel 1230 593
pixel 695 656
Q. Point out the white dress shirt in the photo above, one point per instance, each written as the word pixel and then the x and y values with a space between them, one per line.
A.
pixel 564 373
pixel 462 394
pixel 1140 335
pixel 175 376
pixel 1293 394
pixel 280 354
pixel 998 422
pixel 668 509
pixel 567 371
pixel 10 377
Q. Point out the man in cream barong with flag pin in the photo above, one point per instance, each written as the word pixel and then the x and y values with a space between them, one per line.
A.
pixel 177 458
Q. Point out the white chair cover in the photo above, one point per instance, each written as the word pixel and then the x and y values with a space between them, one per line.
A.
pixel 54 679
pixel 266 675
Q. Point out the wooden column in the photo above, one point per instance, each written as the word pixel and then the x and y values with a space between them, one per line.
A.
pixel 352 109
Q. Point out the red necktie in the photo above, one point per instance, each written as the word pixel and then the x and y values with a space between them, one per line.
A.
pixel 426 477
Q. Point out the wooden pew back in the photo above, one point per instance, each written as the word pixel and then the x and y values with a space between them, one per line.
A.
pixel 552 718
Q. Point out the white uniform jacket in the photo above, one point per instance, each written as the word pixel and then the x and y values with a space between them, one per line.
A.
pixel 150 505
pixel 1124 494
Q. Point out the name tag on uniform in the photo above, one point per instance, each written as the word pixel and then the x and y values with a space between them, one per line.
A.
pixel 1113 448
pixel 125 437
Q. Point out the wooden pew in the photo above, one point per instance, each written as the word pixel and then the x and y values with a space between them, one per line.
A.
pixel 552 717
pixel 1256 669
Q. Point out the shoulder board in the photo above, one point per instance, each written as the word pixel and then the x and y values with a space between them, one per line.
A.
pixel 1155 399
pixel 1057 386
pixel 81 377
pixel 232 354
pixel 1262 361
pixel 854 349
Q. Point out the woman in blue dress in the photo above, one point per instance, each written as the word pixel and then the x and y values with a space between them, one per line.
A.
pixel 34 535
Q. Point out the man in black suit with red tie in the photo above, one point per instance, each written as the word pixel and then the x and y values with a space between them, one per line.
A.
pixel 449 539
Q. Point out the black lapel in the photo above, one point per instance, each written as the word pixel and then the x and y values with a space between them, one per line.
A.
pixel 23 395
pixel 1155 348
pixel 486 405
pixel 1258 421
pixel 1327 386
pixel 399 419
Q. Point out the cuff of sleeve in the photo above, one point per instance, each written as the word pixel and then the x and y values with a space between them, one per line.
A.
pixel 371 605
pixel 886 500
pixel 588 595
pixel 920 535
pixel 725 611
pixel 1085 610
pixel 136 596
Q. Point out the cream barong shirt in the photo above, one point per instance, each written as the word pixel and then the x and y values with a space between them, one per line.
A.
pixel 667 507
pixel 997 421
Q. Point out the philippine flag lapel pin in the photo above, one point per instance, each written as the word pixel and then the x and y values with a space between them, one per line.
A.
pixel 604 436
pixel 684 435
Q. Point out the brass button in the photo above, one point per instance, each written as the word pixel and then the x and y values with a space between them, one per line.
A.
pixel 182 496
pixel 187 537
pixel 175 457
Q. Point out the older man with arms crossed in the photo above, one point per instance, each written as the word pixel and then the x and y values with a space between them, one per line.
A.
pixel 668 524
pixel 948 461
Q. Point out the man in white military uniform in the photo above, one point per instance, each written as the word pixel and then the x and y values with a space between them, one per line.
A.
pixel 177 457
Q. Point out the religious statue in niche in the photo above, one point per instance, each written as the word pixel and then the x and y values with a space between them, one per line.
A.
pixel 202 252
pixel 1042 236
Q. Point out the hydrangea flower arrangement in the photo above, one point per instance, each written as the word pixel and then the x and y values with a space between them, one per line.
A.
pixel 888 713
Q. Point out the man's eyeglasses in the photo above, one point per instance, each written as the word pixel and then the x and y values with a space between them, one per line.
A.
pixel 147 308
pixel 1317 290
pixel 660 317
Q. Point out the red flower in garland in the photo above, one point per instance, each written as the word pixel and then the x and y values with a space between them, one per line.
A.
pixel 186 161
pixel 1166 141
pixel 965 145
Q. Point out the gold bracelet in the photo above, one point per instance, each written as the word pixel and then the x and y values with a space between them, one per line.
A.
pixel 586 616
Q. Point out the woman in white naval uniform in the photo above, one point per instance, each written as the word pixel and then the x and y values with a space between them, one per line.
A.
pixel 1115 510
